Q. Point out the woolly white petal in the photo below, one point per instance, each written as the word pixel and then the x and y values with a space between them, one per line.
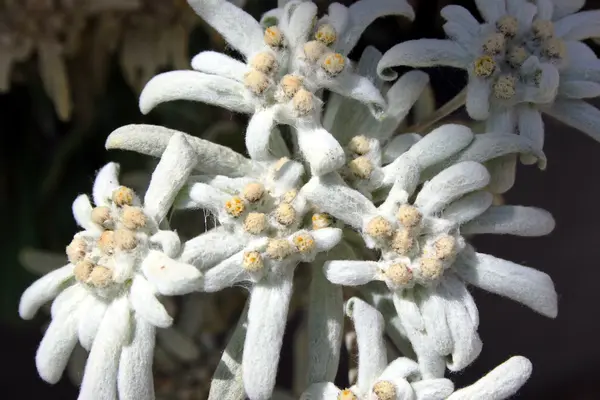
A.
pixel 267 317
pixel 171 173
pixel 503 171
pixel 440 144
pixel 82 212
pixel 287 177
pixel 501 383
pixel 433 389
pixel 258 134
pixel 89 321
pixel 101 370
pixel 321 391
pixel 146 305
pixel 43 290
pixel 170 277
pixel 135 380
pixel 563 8
pixel 422 53
pixel 357 87
pixel 400 368
pixel 63 302
pixel 468 207
pixel 491 10
pixel 212 247
pixel 225 274
pixel 300 24
pixel 404 174
pixel 578 114
pixel 511 220
pixel 501 121
pixel 201 195
pixel 401 97
pixel 237 27
pixel 433 307
pixel 106 181
pixel 545 9
pixel 579 26
pixel 399 145
pixel 526 285
pixel 461 16
pixel 194 86
pixel 167 241
pixel 212 62
pixel 351 273
pixel 338 16
pixel 321 150
pixel 478 98
pixel 326 238
pixel 369 327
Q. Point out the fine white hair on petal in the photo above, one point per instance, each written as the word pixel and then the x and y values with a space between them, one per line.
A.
pixel 458 288
pixel 401 368
pixel 135 381
pixel 201 195
pixel 399 145
pixel 501 121
pixel 321 391
pixel 468 207
pixel 208 249
pixel 168 276
pixel 326 238
pixel 580 26
pixel 563 8
pixel 72 294
pixel 433 389
pixel 227 273
pixel 433 307
pixel 499 384
pixel 351 273
pixel 43 290
pixel 89 321
pixel 461 16
pixel 422 53
pixel 288 177
pixel 578 89
pixel 528 286
pixel 359 88
pixel 107 180
pixel 450 184
pixel 321 150
pixel 369 326
pixel 101 370
pixel 440 144
pixel 237 27
pixel 212 62
pixel 168 242
pixel 578 114
pixel 511 220
pixel 267 317
pixel 194 86
pixel 258 134
pixel 403 174
pixel 144 302
pixel 503 171
pixel 491 10
pixel 169 176
pixel 545 9
pixel 82 212
pixel 478 98
pixel 338 16
pixel 300 24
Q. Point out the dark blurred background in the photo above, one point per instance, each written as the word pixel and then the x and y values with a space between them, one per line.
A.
pixel 58 107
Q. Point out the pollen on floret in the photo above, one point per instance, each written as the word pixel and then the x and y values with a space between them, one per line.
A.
pixel 76 250
pixel 125 239
pixel 542 29
pixel 403 241
pixel 264 62
pixel 359 145
pixel 289 196
pixel 101 276
pixel 554 48
pixel 409 216
pixel 235 206
pixel 445 247
pixel 333 63
pixel 508 26
pixel 273 37
pixel 106 242
pixel 290 84
pixel 313 50
pixel 516 56
pixel 253 192
pixel 484 66
pixel 384 390
pixel 255 223
pixel 321 220
pixel 253 261
pixel 494 44
pixel 279 249
pixel 326 34
pixel 83 270
pixel 280 163
pixel 346 394
pixel 399 274
pixel 379 227
pixel 122 196
pixel 304 242
pixel 303 102
pixel 256 82
pixel 133 218
pixel 431 268
pixel 101 216
pixel 361 167
pixel 505 87
pixel 285 214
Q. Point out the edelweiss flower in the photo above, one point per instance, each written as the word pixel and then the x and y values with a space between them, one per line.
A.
pixel 524 59
pixel 106 295
pixel 425 260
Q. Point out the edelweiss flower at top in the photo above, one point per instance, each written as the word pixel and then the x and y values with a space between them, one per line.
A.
pixel 106 295
pixel 426 262
pixel 523 60
pixel 281 75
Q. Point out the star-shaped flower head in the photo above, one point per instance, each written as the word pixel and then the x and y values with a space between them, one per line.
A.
pixel 106 296
pixel 277 81
pixel 523 59
pixel 425 260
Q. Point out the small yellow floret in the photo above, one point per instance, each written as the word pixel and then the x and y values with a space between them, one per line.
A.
pixel 76 250
pixel 83 270
pixel 508 26
pixel 235 206
pixel 304 242
pixel 333 63
pixel 278 249
pixel 431 268
pixel 409 216
pixel 273 37
pixel 123 196
pixel 346 394
pixel 399 274
pixel 101 216
pixel 106 242
pixel 290 84
pixel 494 44
pixel 516 56
pixel 285 214
pixel 379 228
pixel 505 87
pixel 384 390
pixel 321 220
pixel 313 50
pixel 125 239
pixel 359 145
pixel 361 167
pixel 255 223
pixel 133 218
pixel 445 247
pixel 289 196
pixel 542 29
pixel 256 82
pixel 326 34
pixel 403 241
pixel 554 48
pixel 253 261
pixel 101 277
pixel 253 192
pixel 303 102
pixel 484 66
pixel 264 62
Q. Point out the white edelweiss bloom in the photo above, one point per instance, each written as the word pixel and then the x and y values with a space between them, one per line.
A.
pixel 106 295
pixel 378 380
pixel 524 59
pixel 425 260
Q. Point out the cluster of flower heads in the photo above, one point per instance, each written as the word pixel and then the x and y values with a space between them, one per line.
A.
pixel 391 214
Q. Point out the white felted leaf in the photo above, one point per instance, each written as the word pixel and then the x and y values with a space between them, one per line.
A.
pixel 461 16
pixel 176 343
pixel 357 87
pixel 441 144
pixel 152 140
pixel 147 307
pixel 90 319
pixel 326 238
pixel 501 383
pixel 267 317
pixel 526 285
pixel 512 220
pixel 351 273
pixel 563 8
pixel 478 98
pixel 43 290
pixel 300 24
pixel 454 285
pixel 468 207
pixel 579 89
pixel 367 63
pixel 369 327
pixel 399 145
pixel 208 249
pixel 578 114
pixel 321 391
pixel 258 134
pixel 403 173
pixel 580 26
pixel 433 389
pixel 107 180
pixel 334 197
pixel 320 149
pixel 169 176
pixel 545 9
pixel 168 242
pixel 170 277
pixel 212 62
pixel 503 171
pixel 82 212
pixel 63 302
pixel 422 53
pixel 227 273
pixel 433 307
pixel 237 27
pixel 451 184
pixel 194 86
pixel 135 380
pixel 491 10
pixel 201 195
pixel 41 262
pixel 101 370
pixel 287 177
pixel 400 368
